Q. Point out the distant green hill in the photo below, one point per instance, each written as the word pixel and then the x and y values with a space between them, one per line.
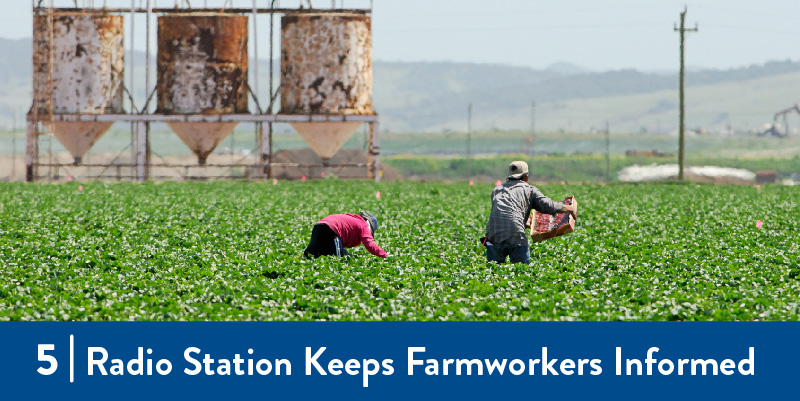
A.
pixel 433 97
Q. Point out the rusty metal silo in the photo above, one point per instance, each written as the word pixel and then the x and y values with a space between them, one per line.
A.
pixel 202 69
pixel 87 72
pixel 326 68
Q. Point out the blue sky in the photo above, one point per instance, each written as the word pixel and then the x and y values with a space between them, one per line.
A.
pixel 598 35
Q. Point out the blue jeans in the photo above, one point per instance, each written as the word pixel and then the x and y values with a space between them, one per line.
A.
pixel 517 254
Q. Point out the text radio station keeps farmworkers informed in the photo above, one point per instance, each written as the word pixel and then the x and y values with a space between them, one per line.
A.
pixel 194 362
pixel 367 359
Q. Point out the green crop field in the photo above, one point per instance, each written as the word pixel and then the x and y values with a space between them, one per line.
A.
pixel 232 251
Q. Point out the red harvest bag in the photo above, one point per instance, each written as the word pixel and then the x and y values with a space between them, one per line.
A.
pixel 545 226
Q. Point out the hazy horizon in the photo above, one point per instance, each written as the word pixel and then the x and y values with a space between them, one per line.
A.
pixel 613 35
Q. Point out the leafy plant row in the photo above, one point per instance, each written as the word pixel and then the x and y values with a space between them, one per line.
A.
pixel 233 251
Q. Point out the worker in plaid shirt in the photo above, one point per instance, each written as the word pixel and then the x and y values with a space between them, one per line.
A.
pixel 512 203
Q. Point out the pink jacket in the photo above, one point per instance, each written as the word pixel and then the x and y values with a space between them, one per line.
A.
pixel 353 230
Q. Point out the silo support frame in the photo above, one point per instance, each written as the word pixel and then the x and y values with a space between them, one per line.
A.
pixel 142 149
pixel 374 152
pixel 142 165
pixel 31 151
pixel 266 149
pixel 271 153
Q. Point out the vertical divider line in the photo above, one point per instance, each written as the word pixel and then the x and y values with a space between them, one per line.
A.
pixel 71 358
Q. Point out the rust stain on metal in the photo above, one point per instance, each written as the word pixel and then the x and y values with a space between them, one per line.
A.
pixel 326 64
pixel 202 64
pixel 87 66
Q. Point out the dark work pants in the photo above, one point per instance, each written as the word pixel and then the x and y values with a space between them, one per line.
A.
pixel 517 254
pixel 324 242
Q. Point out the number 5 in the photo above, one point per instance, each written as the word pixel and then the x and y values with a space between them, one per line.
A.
pixel 47 358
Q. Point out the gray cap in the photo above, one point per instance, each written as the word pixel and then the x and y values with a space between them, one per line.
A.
pixel 371 220
pixel 517 169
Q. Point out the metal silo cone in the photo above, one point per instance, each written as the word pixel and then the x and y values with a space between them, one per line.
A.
pixel 79 137
pixel 87 72
pixel 202 69
pixel 202 138
pixel 325 139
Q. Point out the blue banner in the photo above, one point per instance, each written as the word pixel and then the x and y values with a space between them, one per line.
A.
pixel 399 360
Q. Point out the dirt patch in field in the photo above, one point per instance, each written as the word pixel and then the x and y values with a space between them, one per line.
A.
pixel 347 157
pixel 13 168
pixel 723 180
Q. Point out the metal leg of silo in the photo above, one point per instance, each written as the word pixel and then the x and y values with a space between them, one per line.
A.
pixel 266 150
pixel 374 152
pixel 141 151
pixel 31 152
pixel 259 144
pixel 148 148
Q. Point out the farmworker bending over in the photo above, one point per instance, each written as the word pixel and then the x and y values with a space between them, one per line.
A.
pixel 331 235
pixel 511 205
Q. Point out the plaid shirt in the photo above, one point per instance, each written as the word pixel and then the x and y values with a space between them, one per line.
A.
pixel 511 205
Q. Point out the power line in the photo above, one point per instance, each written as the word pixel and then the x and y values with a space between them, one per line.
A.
pixel 469 139
pixel 533 131
pixel 608 153
pixel 741 28
pixel 523 28
pixel 538 12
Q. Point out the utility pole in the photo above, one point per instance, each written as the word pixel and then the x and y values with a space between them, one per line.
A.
pixel 14 148
pixel 533 130
pixel 681 142
pixel 608 153
pixel 469 139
